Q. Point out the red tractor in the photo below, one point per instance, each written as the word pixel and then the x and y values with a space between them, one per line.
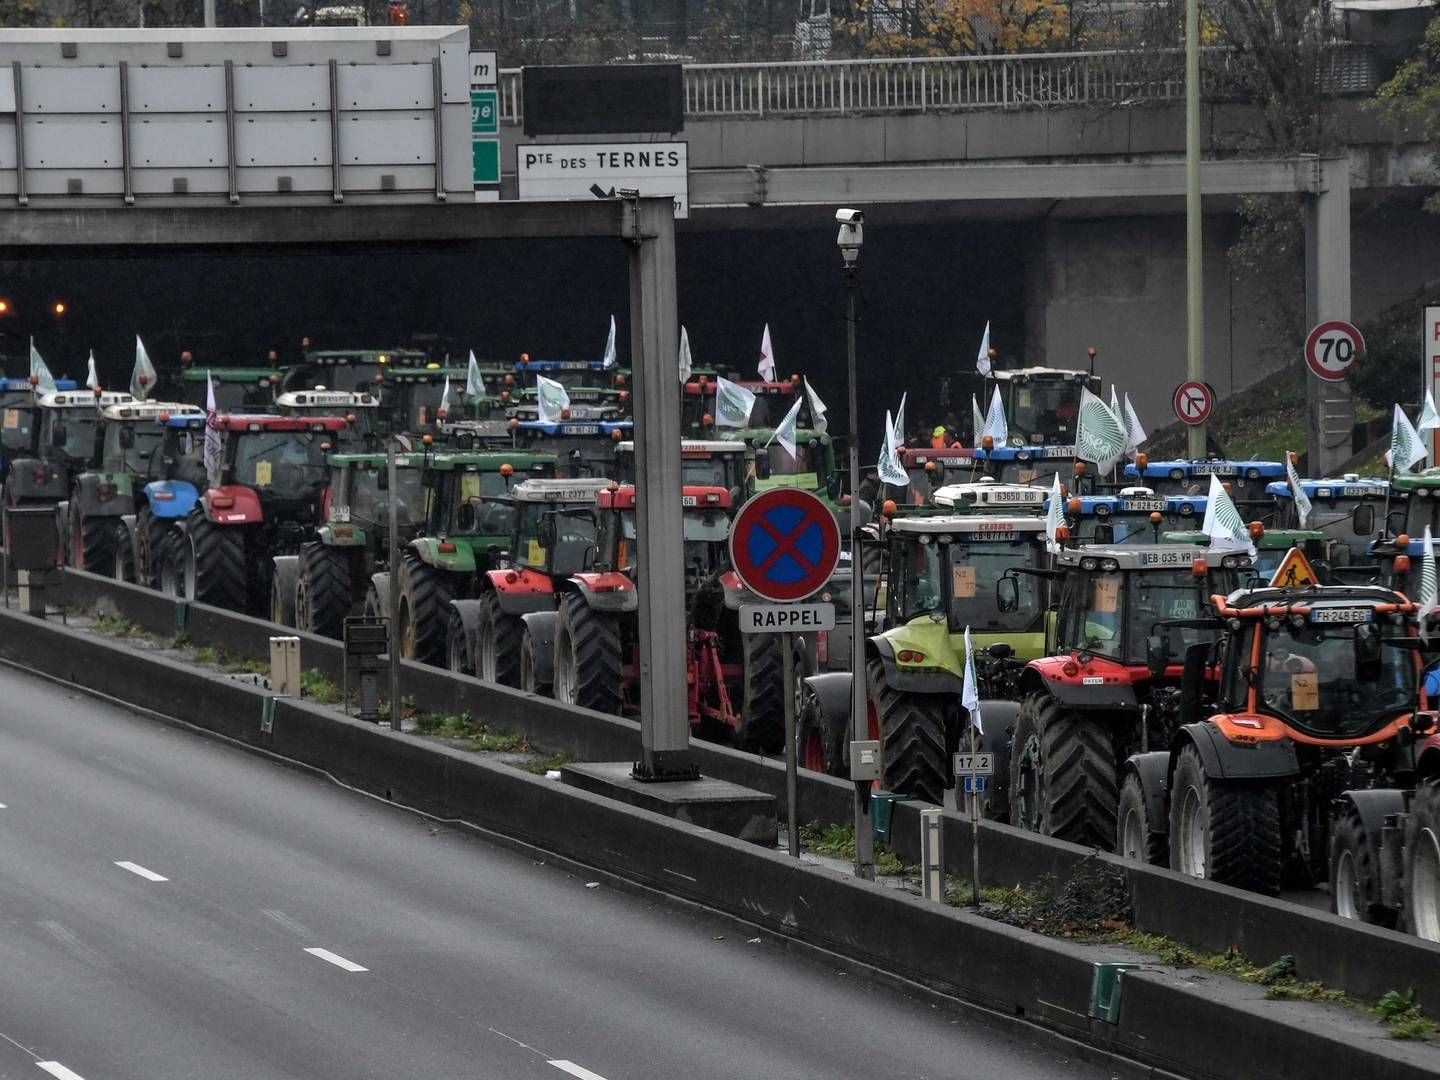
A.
pixel 273 479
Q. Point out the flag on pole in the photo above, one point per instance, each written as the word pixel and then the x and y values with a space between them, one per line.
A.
pixel 44 381
pixel 817 409
pixel 1054 516
pixel 1429 418
pixel 1429 585
pixel 899 429
pixel 767 356
pixel 1135 432
pixel 1115 401
pixel 1406 447
pixel 1099 435
pixel 977 421
pixel 982 358
pixel 142 376
pixel 92 377
pixel 474 384
pixel 553 399
pixel 1297 492
pixel 970 690
pixel 212 433
pixel 1223 523
pixel 444 409
pixel 889 465
pixel 611 357
pixel 732 403
pixel 785 433
pixel 995 425
pixel 687 365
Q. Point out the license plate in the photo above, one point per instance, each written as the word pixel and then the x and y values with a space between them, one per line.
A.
pixel 1135 506
pixel 1214 470
pixel 1165 558
pixel 1341 615
pixel 988 536
pixel 1359 491
pixel 580 429
pixel 1016 497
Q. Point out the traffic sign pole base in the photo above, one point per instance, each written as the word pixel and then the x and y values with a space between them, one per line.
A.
pixel 662 766
pixel 712 804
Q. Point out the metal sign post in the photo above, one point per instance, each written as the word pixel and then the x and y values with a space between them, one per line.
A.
pixel 792 779
pixel 393 516
pixel 973 770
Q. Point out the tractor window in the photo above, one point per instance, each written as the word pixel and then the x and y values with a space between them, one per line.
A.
pixel 1326 682
pixel 371 506
pixel 1120 611
pixel 711 470
pixel 804 466
pixel 137 458
pixel 574 536
pixel 1422 509
pixel 280 463
pixel 974 569
pixel 1037 472
pixel 1235 687
pixel 1049 408
pixel 489 494
pixel 16 424
pixel 80 427
pixel 917 578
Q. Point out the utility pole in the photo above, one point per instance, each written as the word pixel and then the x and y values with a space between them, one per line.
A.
pixel 1194 235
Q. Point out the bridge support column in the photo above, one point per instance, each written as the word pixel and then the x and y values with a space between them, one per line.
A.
pixel 1330 410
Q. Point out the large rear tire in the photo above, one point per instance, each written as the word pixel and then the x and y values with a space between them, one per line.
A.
pixel 1224 831
pixel 324 595
pixel 913 738
pixel 1355 873
pixel 530 669
pixel 498 644
pixel 92 545
pixel 1422 863
pixel 122 565
pixel 219 561
pixel 150 534
pixel 762 711
pixel 424 611
pixel 589 661
pixel 820 739
pixel 1135 835
pixel 1063 774
pixel 457 646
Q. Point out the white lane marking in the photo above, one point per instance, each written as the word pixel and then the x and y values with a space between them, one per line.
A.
pixel 576 1070
pixel 336 959
pixel 60 1072
pixel 136 868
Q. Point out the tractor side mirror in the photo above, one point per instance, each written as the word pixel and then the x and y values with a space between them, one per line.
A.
pixel 832 487
pixel 762 466
pixel 127 438
pixel 1362 522
pixel 1001 650
pixel 1395 522
pixel 1007 595
pixel 57 436
pixel 465 517
pixel 590 558
pixel 1104 534
pixel 1157 654
pixel 1367 652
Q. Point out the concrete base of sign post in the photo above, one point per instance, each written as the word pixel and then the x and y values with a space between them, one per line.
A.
pixel 712 804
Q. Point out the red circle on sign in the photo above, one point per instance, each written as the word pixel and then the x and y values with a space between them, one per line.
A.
pixel 1332 348
pixel 784 544
pixel 1193 402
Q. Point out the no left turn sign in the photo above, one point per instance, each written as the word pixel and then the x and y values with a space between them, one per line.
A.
pixel 1193 402
pixel 1332 348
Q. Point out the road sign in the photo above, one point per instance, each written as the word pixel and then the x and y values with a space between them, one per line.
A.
pixel 784 544
pixel 603 170
pixel 484 112
pixel 485 161
pixel 1332 348
pixel 974 764
pixel 1193 402
pixel 484 135
pixel 1294 571
pixel 786 618
pixel 484 68
pixel 974 785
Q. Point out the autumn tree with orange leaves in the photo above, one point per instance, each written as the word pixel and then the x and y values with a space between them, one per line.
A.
pixel 956 27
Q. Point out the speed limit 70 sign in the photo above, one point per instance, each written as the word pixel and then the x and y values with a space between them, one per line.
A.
pixel 1332 348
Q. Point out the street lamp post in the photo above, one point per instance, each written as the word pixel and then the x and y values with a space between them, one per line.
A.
pixel 852 235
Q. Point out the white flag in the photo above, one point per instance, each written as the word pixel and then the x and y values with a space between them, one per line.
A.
pixel 474 384
pixel 44 381
pixel 1429 418
pixel 444 409
pixel 982 358
pixel 611 357
pixel 1406 446
pixel 898 431
pixel 1054 516
pixel 212 433
pixel 142 377
pixel 767 356
pixel 732 403
pixel 1223 523
pixel 1099 435
pixel 92 377
pixel 970 691
pixel 995 425
pixel 977 421
pixel 889 464
pixel 1429 585
pixel 817 409
pixel 1135 431
pixel 785 433
pixel 687 365
pixel 1115 401
pixel 553 399
pixel 1297 492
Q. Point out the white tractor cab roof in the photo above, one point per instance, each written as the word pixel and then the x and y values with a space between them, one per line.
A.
pixel 693 446
pixel 149 410
pixel 1043 372
pixel 1137 493
pixel 987 491
pixel 83 399
pixel 550 489
pixel 1152 557
pixel 320 398
pixel 966 527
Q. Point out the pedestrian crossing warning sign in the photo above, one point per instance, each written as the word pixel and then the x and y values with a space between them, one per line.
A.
pixel 1294 571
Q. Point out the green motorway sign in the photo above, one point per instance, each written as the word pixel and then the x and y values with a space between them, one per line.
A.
pixel 484 112
pixel 485 154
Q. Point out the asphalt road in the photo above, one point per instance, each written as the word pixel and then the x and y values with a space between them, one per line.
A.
pixel 173 907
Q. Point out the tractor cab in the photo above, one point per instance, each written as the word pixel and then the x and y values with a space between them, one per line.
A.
pixel 586 403
pixel 1414 506
pixel 572 374
pixel 1136 515
pixel 583 448
pixel 354 370
pixel 131 436
pixel 930 469
pixel 986 495
pixel 697 403
pixel 1035 466
pixel 812 468
pixel 410 396
pixel 469 503
pixel 1350 511
pixel 18 408
pixel 358 498
pixel 1247 480
pixel 706 512
pixel 555 524
pixel 714 463
pixel 360 407
pixel 1042 405
pixel 63 441
pixel 1272 552
pixel 237 390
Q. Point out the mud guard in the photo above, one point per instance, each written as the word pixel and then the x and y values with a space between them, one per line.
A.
pixel 911 682
pixel 540 629
pixel 469 613
pixel 170 499
pixel 380 582
pixel 1373 804
pixel 128 520
pixel 997 718
pixel 1153 769
pixel 1225 760
pixel 87 497
pixel 610 592
pixel 20 481
pixel 284 576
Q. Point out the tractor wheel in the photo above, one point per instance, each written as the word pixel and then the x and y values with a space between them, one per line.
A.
pixel 589 667
pixel 174 566
pixel 122 565
pixel 371 610
pixel 324 594
pixel 913 739
pixel 872 559
pixel 1355 873
pixel 820 739
pixel 762 712
pixel 151 534
pixel 92 543
pixel 498 644
pixel 1223 831
pixel 530 680
pixel 457 646
pixel 1422 863
pixel 283 602
pixel 424 610
pixel 1062 774
pixel 1135 837
pixel 218 554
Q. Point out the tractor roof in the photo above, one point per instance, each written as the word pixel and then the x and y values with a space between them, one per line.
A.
pixel 261 376
pixel 1421 483
pixel 320 398
pixel 340 357
pixel 761 436
pixel 760 388
pixel 1148 556
pixel 488 460
pixel 185 422
pixel 23 385
pixel 526 364
pixel 429 373
pixel 1028 373
pixel 971 525
pixel 243 422
pixel 549 489
pixel 693 447
pixel 83 399
pixel 373 460
pixel 1136 500
pixel 691 495
pixel 911 456
pixel 1251 470
pixel 1347 487
pixel 986 491
pixel 149 410
pixel 1312 595
pixel 1269 540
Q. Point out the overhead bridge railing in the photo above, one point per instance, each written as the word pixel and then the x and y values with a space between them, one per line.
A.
pixel 957 83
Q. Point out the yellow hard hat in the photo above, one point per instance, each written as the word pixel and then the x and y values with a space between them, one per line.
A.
pixel 939 430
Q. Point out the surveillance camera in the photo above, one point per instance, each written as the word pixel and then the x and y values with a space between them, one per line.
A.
pixel 850 217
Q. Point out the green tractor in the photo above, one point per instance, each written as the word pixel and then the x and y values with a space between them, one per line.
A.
pixel 237 390
pixel 812 469
pixel 465 531
pixel 1042 405
pixel 1271 548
